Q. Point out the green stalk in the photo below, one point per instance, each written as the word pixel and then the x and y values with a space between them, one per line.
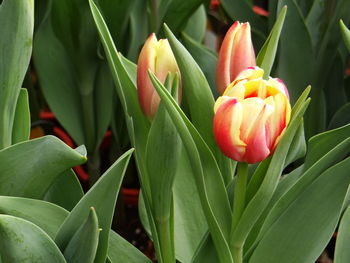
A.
pixel 165 240
pixel 238 207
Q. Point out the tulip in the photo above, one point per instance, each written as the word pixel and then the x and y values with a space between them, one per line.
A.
pixel 236 54
pixel 157 57
pixel 251 116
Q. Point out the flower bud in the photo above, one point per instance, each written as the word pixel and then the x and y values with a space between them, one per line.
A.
pixel 251 116
pixel 236 54
pixel 157 57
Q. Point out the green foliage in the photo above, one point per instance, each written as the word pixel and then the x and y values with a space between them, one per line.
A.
pixel 16 48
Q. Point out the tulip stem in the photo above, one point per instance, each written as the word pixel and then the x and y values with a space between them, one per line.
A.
pixel 165 240
pixel 238 206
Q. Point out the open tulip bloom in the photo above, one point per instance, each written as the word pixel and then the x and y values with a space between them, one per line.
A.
pixel 251 116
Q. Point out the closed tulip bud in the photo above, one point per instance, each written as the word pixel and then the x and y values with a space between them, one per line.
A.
pixel 236 54
pixel 251 116
pixel 157 57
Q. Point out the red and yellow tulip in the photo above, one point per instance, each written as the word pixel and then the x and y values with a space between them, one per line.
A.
pixel 251 116
pixel 157 57
pixel 236 53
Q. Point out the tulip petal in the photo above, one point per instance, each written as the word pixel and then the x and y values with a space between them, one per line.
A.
pixel 242 54
pixel 146 92
pixel 227 122
pixel 257 148
pixel 223 77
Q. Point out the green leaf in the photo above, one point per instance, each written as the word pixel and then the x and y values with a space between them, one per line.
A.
pixel 120 250
pixel 21 123
pixel 297 148
pixel 205 58
pixel 22 241
pixel 38 163
pixel 80 96
pixel 65 191
pixel 342 253
pixel 83 245
pixel 308 177
pixel 59 89
pixel 103 197
pixel 267 54
pixel 345 34
pixel 210 185
pixel 301 233
pixel 341 117
pixel 47 216
pixel 117 14
pixel 200 100
pixel 138 29
pixel 162 154
pixel 178 13
pixel 16 30
pixel 242 11
pixel 197 24
pixel 188 232
pixel 322 143
pixel 313 21
pixel 296 78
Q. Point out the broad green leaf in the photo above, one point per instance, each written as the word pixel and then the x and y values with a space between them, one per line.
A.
pixel 21 123
pixel 178 12
pixel 243 11
pixel 102 196
pixel 103 101
pixel 83 245
pixel 138 29
pixel 188 232
pixel 335 94
pixel 120 250
pixel 162 155
pixel 211 189
pixel 345 34
pixel 22 241
pixel 342 253
pixel 205 58
pixel 296 78
pixel 197 24
pixel 267 54
pixel 265 192
pixel 59 89
pixel 200 101
pixel 38 163
pixel 297 148
pixel 65 191
pixel 16 29
pixel 321 144
pixel 341 117
pixel 47 216
pixel 117 15
pixel 301 233
pixel 80 96
pixel 285 183
pixel 308 177
pixel 313 21
pixel 205 252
